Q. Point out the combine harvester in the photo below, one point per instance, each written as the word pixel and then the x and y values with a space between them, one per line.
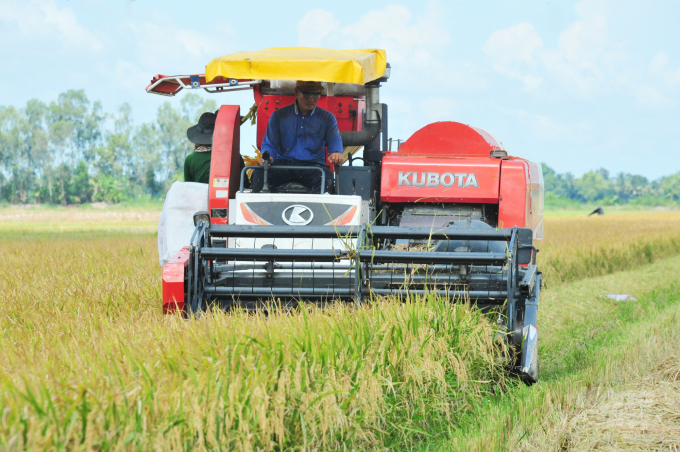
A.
pixel 447 211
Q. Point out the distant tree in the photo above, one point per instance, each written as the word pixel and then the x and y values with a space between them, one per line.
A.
pixel 24 144
pixel 66 152
pixel 670 186
pixel 559 184
pixel 115 157
pixel 172 128
pixel 629 186
pixel 148 165
pixel 77 125
pixel 604 173
pixel 599 186
pixel 592 186
pixel 81 191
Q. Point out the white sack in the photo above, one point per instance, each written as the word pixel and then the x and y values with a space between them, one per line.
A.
pixel 176 226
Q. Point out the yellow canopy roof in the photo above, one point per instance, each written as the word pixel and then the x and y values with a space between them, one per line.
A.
pixel 301 63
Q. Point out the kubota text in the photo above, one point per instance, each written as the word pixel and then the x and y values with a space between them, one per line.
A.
pixel 410 179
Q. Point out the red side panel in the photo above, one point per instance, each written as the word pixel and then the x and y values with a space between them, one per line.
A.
pixel 344 109
pixel 513 201
pixel 225 165
pixel 413 179
pixel 173 283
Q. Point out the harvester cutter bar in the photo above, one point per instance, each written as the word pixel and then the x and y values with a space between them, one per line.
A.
pixel 372 268
pixel 472 295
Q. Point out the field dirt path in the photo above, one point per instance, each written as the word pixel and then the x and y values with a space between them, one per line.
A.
pixel 643 415
pixel 610 372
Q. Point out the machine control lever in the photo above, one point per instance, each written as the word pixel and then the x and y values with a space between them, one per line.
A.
pixel 265 186
pixel 337 179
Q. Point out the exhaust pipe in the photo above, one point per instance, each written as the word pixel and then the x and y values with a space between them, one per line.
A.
pixel 372 120
pixel 361 137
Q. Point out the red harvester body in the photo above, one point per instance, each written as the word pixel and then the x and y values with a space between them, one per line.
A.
pixel 447 210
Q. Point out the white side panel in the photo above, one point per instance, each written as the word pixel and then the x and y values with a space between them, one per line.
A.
pixel 176 225
pixel 321 202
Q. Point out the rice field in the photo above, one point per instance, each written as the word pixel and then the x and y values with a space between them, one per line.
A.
pixel 87 361
pixel 577 247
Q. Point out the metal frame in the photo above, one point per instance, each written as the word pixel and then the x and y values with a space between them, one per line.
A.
pixel 258 167
pixel 217 87
pixel 508 283
pixel 369 261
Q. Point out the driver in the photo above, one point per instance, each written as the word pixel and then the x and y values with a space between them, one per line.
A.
pixel 298 135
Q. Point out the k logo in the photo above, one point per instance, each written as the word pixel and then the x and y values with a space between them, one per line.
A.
pixel 297 215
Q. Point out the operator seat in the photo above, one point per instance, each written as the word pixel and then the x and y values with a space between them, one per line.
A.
pixel 291 187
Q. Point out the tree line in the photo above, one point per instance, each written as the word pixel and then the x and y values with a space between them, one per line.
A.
pixel 69 152
pixel 602 188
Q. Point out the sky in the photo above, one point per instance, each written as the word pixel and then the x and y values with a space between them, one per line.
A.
pixel 577 85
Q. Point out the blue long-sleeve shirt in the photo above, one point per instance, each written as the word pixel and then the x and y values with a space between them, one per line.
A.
pixel 293 136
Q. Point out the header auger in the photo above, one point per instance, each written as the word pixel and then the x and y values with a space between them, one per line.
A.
pixel 448 211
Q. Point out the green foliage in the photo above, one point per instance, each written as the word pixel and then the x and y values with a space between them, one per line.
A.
pixel 554 201
pixel 66 152
pixel 671 187
pixel 592 187
pixel 108 189
pixel 567 191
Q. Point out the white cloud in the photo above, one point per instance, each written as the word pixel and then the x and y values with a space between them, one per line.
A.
pixel 584 57
pixel 578 59
pixel 659 67
pixel 513 48
pixel 415 41
pixel 129 76
pixel 513 45
pixel 405 38
pixel 542 125
pixel 584 41
pixel 163 47
pixel 651 97
pixel 315 26
pixel 438 108
pixel 45 20
pixel 393 28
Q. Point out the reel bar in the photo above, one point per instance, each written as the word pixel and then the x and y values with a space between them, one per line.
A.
pixel 292 232
pixel 222 268
pixel 270 254
pixel 425 257
pixel 451 233
pixel 269 291
pixel 436 278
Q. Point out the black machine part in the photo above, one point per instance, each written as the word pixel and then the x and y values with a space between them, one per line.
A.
pixel 349 180
pixel 442 215
pixel 265 186
pixel 201 215
pixel 357 181
pixel 294 186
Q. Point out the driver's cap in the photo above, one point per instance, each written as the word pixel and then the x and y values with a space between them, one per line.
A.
pixel 309 86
